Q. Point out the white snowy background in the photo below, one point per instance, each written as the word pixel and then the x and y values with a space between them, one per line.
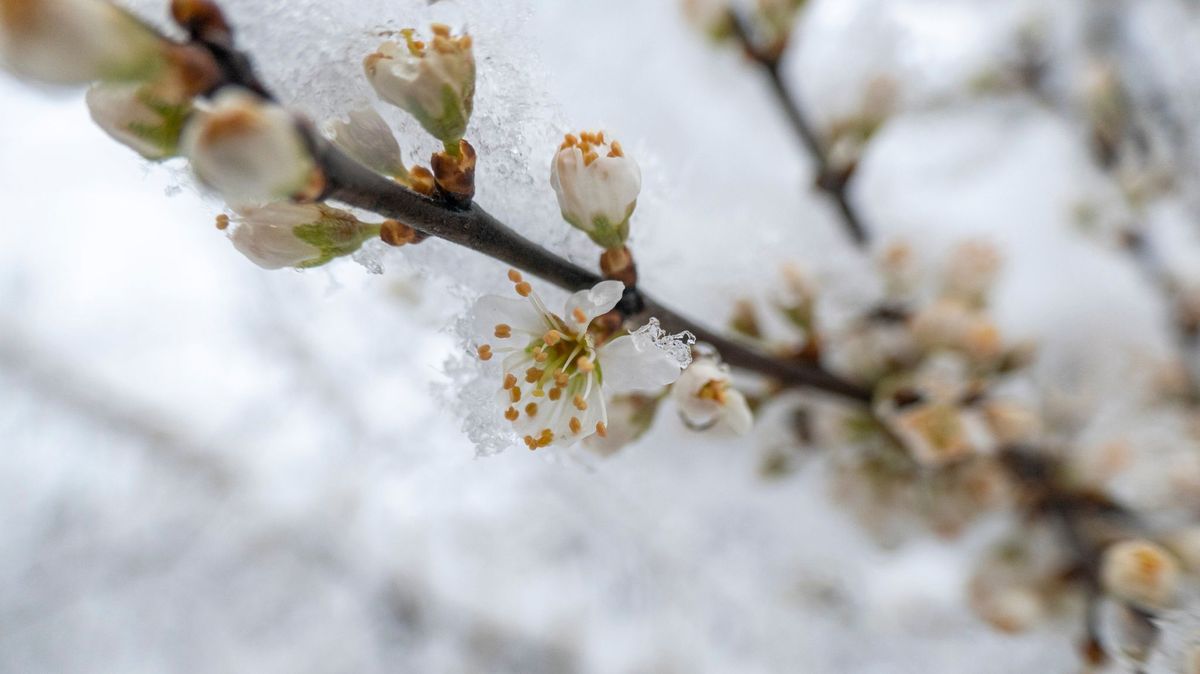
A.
pixel 205 467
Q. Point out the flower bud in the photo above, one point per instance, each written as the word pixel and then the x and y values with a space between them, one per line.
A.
pixel 366 137
pixel 704 396
pixel 250 151
pixel 597 187
pixel 298 235
pixel 435 82
pixel 75 41
pixel 1141 573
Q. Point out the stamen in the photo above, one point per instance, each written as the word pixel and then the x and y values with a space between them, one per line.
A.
pixel 440 29
pixel 514 276
pixel 576 425
pixel 511 414
pixel 532 374
pixel 524 289
pixel 551 338
pixel 580 403
pixel 546 438
pixel 530 442
pixel 541 356
pixel 485 352
pixel 515 394
pixel 579 316
pixel 503 331
pixel 555 393
pixel 561 378
pixel 222 222
pixel 531 409
pixel 589 158
pixel 616 150
pixel 538 392
pixel 585 364
pixel 510 380
pixel 601 429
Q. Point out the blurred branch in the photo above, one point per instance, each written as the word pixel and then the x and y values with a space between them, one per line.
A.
pixel 833 181
pixel 472 227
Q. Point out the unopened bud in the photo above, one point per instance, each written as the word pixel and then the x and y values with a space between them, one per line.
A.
pixel 298 235
pixel 250 151
pixel 366 137
pixel 1141 573
pixel 75 41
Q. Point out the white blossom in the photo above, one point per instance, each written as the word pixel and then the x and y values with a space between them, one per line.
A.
pixel 366 137
pixel 143 117
pixel 435 82
pixel 597 186
pixel 558 369
pixel 1140 572
pixel 705 396
pixel 75 41
pixel 249 150
pixel 297 235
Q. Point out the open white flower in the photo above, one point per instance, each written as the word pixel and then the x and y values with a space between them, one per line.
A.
pixel 298 235
pixel 249 150
pixel 597 187
pixel 366 137
pixel 705 397
pixel 75 41
pixel 557 370
pixel 435 82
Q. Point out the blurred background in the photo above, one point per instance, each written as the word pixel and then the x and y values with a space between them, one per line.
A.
pixel 206 467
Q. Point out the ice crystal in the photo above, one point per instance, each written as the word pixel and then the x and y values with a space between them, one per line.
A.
pixel 678 346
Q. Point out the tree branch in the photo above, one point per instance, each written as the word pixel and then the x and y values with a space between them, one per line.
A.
pixel 832 181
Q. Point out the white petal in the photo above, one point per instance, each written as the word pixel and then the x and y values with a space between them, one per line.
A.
pixel 366 137
pixel 492 310
pixel 630 364
pixel 595 302
pixel 736 412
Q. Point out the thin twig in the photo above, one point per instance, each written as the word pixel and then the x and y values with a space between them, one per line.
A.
pixel 831 180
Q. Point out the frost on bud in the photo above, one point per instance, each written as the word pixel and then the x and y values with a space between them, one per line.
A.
pixel 434 82
pixel 250 151
pixel 75 41
pixel 1141 573
pixel 298 235
pixel 705 397
pixel 366 137
pixel 597 187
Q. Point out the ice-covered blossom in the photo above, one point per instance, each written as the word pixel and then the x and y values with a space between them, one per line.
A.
pixel 1140 572
pixel 434 82
pixel 249 150
pixel 75 41
pixel 597 186
pixel 705 396
pixel 298 235
pixel 558 369
pixel 366 137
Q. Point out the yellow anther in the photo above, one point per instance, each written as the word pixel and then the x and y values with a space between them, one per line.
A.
pixel 589 157
pixel 440 29
pixel 524 289
pixel 222 221
pixel 530 442
pixel 510 380
pixel 575 425
pixel 538 392
pixel 555 393
pixel 533 374
pixel 584 364
pixel 546 438
pixel 485 352
pixel 514 276
pixel 599 137
pixel 515 394
pixel 615 150
pixel 561 378
pixel 503 331
pixel 541 357
pixel 551 338
pixel 465 42
pixel 579 316
pixel 531 409
pixel 511 414
pixel 580 403
pixel 601 429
